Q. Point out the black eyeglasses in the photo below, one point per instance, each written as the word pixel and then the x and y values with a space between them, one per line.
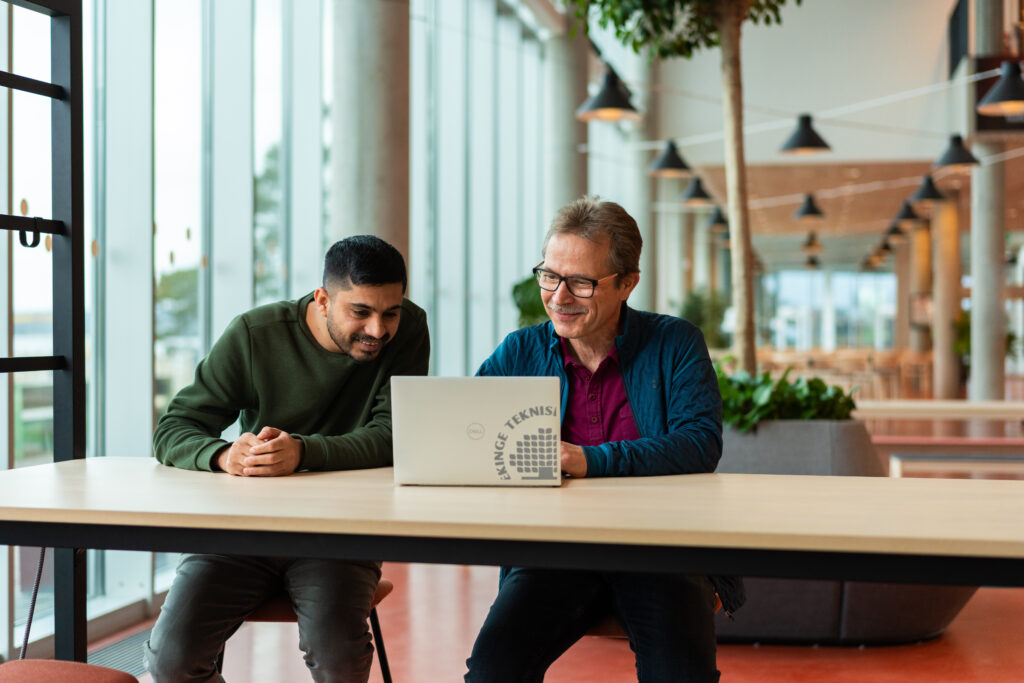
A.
pixel 582 287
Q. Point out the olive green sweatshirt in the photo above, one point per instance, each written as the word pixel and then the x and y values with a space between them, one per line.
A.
pixel 268 370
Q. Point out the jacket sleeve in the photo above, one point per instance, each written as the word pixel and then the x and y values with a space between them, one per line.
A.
pixel 188 434
pixel 371 444
pixel 692 440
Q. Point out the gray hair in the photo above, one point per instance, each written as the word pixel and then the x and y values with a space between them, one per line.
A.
pixel 590 218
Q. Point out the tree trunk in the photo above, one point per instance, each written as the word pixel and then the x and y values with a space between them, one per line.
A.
pixel 730 17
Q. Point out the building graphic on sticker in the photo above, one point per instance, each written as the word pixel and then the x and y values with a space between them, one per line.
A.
pixel 535 455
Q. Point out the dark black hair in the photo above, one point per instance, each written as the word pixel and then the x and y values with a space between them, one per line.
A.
pixel 363 260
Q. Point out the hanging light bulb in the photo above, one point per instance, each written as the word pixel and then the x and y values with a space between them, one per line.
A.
pixel 804 140
pixel 669 163
pixel 811 245
pixel 611 103
pixel 809 210
pixel 695 195
pixel 717 222
pixel 812 263
pixel 1006 98
pixel 957 158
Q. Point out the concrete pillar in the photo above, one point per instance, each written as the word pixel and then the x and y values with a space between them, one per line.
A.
pixel 946 298
pixel 645 296
pixel 370 122
pixel 988 237
pixel 565 79
pixel 988 231
pixel 828 314
pixel 689 255
pixel 668 256
pixel 901 266
pixel 920 283
pixel 713 257
pixel 699 262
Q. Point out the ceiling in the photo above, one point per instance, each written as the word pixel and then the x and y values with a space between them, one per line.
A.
pixel 859 200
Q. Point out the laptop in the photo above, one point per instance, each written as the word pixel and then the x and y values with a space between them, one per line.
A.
pixel 476 431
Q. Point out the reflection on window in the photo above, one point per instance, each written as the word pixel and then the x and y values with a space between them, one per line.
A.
pixel 32 287
pixel 269 275
pixel 177 92
pixel 863 306
pixel 179 261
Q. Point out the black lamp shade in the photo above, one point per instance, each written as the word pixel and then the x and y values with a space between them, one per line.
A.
pixel 906 217
pixel 811 245
pixel 695 195
pixel 1006 98
pixel 927 192
pixel 809 210
pixel 957 157
pixel 895 235
pixel 812 262
pixel 611 103
pixel 669 164
pixel 717 222
pixel 804 140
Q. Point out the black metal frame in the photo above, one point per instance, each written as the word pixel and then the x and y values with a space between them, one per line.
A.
pixel 894 567
pixel 68 360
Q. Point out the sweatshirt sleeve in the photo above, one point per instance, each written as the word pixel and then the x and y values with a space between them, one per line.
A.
pixel 692 442
pixel 371 444
pixel 188 434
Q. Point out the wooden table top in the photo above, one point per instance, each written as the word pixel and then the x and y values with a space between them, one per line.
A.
pixel 970 518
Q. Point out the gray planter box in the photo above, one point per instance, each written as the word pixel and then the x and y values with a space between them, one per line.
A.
pixel 827 612
pixel 822 447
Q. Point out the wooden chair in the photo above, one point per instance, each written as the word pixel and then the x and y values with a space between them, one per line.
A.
pixel 279 609
pixel 48 671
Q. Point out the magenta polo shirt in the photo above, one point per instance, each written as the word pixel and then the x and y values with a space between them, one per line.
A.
pixel 597 410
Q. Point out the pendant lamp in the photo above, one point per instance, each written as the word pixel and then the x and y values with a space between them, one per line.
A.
pixel 804 140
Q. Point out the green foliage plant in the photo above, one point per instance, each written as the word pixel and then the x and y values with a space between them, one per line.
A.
pixel 672 28
pixel 526 294
pixel 706 310
pixel 750 399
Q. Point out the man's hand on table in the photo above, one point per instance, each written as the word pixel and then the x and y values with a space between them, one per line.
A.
pixel 574 462
pixel 271 453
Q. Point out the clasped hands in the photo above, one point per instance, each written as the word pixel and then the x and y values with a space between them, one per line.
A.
pixel 271 453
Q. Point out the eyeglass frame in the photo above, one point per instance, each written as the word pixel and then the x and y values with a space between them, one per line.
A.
pixel 537 270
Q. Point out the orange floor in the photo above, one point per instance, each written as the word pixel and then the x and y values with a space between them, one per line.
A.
pixel 430 621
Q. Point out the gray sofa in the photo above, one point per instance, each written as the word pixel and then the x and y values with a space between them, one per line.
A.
pixel 827 612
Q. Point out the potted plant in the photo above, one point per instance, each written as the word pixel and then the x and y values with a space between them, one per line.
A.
pixel 775 426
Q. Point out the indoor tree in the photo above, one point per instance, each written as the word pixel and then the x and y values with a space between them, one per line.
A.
pixel 678 28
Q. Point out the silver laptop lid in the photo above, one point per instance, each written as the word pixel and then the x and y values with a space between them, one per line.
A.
pixel 484 431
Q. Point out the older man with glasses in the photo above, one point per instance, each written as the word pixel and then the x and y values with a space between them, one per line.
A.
pixel 639 397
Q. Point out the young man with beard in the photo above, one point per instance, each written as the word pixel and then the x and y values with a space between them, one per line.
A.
pixel 639 397
pixel 308 381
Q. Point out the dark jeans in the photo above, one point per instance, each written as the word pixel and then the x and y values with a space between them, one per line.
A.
pixel 212 594
pixel 539 614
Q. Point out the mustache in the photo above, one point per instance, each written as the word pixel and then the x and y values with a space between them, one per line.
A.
pixel 369 339
pixel 558 308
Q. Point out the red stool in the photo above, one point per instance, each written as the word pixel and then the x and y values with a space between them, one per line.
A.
pixel 50 671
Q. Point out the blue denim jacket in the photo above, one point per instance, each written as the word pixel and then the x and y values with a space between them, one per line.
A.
pixel 672 390
pixel 670 383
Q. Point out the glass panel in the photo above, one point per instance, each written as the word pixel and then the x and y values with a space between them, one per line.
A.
pixel 32 312
pixel 178 172
pixel 270 276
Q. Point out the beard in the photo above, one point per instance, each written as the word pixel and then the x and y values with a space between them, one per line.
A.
pixel 349 346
